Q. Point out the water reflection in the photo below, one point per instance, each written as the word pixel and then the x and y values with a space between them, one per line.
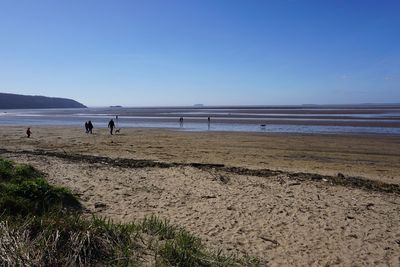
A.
pixel 237 121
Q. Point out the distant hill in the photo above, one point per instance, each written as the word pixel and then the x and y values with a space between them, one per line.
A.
pixel 14 101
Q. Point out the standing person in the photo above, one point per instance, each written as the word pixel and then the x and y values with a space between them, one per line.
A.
pixel 86 127
pixel 209 122
pixel 111 125
pixel 181 122
pixel 28 132
pixel 90 127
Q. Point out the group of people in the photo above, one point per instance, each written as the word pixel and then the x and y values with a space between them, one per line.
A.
pixel 89 126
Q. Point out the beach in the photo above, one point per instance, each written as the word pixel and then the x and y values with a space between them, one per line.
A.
pixel 288 199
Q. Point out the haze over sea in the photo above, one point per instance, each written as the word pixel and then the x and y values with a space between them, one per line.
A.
pixel 306 119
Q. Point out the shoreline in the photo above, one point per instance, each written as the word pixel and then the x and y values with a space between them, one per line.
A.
pixel 103 128
pixel 347 119
pixel 305 120
pixel 368 131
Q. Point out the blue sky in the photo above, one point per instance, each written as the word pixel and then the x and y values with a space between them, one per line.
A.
pixel 151 53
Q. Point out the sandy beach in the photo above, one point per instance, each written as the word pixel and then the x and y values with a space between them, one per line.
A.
pixel 294 200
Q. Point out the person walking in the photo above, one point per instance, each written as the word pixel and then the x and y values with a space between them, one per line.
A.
pixel 111 125
pixel 86 127
pixel 28 132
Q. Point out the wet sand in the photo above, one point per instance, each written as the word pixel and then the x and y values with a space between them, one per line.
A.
pixel 374 157
pixel 384 117
pixel 277 215
pixel 284 120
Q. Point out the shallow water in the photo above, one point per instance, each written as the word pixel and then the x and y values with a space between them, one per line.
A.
pixel 231 120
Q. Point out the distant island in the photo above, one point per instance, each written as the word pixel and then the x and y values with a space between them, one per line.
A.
pixel 14 101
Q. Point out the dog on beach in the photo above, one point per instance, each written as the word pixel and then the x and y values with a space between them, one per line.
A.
pixel 118 130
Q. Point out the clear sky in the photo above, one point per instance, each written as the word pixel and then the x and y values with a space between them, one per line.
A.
pixel 214 52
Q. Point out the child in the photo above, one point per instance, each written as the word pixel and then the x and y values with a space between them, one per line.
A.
pixel 28 132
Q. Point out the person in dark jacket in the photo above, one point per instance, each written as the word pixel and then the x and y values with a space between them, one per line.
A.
pixel 111 125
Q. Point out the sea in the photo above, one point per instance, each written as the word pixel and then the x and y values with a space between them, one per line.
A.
pixel 306 119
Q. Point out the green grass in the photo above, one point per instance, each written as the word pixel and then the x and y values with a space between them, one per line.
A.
pixel 24 191
pixel 42 225
pixel 12 172
pixel 162 228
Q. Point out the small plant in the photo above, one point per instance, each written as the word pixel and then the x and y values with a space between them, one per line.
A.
pixel 184 250
pixel 155 226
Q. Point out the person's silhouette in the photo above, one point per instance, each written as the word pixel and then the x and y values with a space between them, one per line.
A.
pixel 28 132
pixel 111 125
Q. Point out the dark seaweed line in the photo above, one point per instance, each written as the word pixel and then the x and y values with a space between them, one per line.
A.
pixel 348 181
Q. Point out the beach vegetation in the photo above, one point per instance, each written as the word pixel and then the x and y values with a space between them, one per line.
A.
pixel 44 225
pixel 24 191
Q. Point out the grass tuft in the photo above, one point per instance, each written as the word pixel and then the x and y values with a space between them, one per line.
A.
pixel 23 191
pixel 184 250
pixel 155 226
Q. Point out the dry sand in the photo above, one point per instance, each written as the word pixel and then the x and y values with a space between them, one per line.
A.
pixel 282 218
